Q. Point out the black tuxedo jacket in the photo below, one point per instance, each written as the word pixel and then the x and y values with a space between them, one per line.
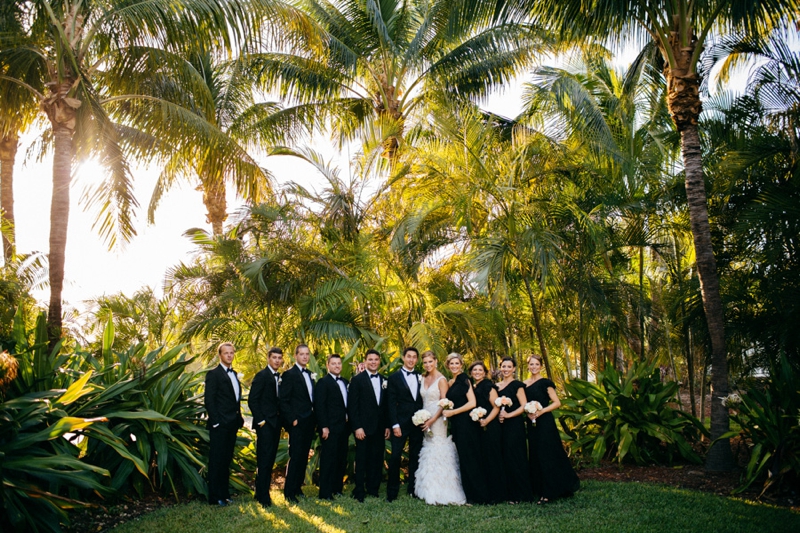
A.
pixel 402 405
pixel 295 403
pixel 365 412
pixel 263 400
pixel 221 403
pixel 329 405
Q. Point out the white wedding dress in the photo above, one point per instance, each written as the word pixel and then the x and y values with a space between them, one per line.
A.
pixel 438 478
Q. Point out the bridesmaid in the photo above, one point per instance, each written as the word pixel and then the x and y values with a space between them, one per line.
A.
pixel 552 475
pixel 490 438
pixel 514 452
pixel 466 434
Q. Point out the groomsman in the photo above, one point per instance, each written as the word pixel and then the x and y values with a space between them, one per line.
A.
pixel 367 409
pixel 330 405
pixel 263 403
pixel 297 409
pixel 404 399
pixel 223 396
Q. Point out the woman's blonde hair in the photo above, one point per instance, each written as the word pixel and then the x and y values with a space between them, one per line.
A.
pixel 452 356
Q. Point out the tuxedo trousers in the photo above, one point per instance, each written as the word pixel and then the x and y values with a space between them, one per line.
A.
pixel 267 439
pixel 369 465
pixel 300 438
pixel 333 463
pixel 413 436
pixel 220 454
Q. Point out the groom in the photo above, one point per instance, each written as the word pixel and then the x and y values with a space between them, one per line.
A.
pixel 404 400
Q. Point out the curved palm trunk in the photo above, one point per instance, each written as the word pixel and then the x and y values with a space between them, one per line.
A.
pixel 8 154
pixel 683 87
pixel 216 205
pixel 61 112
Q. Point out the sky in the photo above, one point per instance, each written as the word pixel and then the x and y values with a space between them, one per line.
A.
pixel 92 270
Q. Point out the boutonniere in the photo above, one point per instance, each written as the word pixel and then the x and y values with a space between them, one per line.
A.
pixel 313 376
pixel 280 380
pixel 239 376
pixel 419 380
pixel 383 383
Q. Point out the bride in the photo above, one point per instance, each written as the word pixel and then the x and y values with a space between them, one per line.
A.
pixel 438 480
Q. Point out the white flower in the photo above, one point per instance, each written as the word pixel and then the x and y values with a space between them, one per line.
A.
pixel 420 417
pixel 313 376
pixel 419 380
pixel 477 413
pixel 503 401
pixel 444 403
pixel 280 380
pixel 731 400
pixel 383 383
pixel 533 407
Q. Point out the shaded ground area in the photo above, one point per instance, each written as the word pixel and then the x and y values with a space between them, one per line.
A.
pixel 693 477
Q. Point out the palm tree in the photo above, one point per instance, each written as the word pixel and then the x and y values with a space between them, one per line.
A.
pixel 377 63
pixel 71 42
pixel 681 30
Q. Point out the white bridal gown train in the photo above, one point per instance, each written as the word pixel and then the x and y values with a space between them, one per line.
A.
pixel 438 479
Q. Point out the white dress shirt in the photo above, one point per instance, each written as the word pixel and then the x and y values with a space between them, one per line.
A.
pixel 376 386
pixel 412 380
pixel 234 381
pixel 309 385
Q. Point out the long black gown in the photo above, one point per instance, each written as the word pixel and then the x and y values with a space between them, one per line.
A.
pixel 552 475
pixel 466 436
pixel 514 451
pixel 491 442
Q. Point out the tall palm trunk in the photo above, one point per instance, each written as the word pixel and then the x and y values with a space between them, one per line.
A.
pixel 216 204
pixel 8 153
pixel 537 324
pixel 683 86
pixel 60 110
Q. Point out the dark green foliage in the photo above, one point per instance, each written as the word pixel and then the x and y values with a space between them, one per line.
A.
pixel 770 421
pixel 72 424
pixel 630 416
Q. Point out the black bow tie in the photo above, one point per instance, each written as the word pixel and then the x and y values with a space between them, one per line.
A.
pixel 337 378
pixel 374 376
pixel 230 370
pixel 307 371
pixel 408 373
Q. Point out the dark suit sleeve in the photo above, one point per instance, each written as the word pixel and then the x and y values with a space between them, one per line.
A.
pixel 211 398
pixel 321 404
pixel 254 401
pixel 392 395
pixel 288 384
pixel 354 403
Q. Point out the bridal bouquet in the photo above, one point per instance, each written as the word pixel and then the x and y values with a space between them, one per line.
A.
pixel 503 401
pixel 477 413
pixel 532 408
pixel 420 417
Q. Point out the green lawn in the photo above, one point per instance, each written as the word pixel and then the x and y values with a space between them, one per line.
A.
pixel 597 507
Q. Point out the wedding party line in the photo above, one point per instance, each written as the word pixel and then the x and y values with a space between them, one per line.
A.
pixel 469 440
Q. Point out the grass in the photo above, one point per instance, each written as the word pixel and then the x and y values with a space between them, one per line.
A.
pixel 598 507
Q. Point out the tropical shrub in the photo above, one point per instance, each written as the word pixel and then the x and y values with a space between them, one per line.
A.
pixel 630 416
pixel 74 423
pixel 769 418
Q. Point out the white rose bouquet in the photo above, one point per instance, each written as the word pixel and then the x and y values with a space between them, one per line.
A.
pixel 420 417
pixel 532 408
pixel 477 413
pixel 444 403
pixel 503 402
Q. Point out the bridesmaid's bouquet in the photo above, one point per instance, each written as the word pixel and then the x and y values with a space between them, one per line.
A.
pixel 477 413
pixel 444 403
pixel 532 408
pixel 503 401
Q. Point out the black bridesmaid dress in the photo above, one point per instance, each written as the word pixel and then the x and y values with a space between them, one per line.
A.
pixel 466 436
pixel 514 449
pixel 491 443
pixel 552 475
